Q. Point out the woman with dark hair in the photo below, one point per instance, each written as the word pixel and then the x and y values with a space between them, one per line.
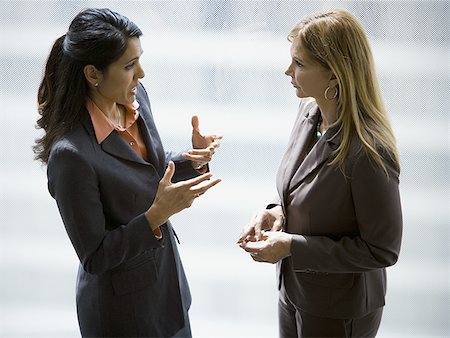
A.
pixel 337 222
pixel 114 185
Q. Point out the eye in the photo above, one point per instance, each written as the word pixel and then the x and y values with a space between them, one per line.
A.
pixel 298 63
pixel 130 66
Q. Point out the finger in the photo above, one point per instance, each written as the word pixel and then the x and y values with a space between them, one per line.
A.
pixel 214 139
pixel 200 190
pixel 259 225
pixel 196 180
pixel 195 123
pixel 200 152
pixel 216 136
pixel 197 158
pixel 246 232
pixel 169 172
pixel 213 146
pixel 203 152
pixel 277 225
pixel 257 258
pixel 253 247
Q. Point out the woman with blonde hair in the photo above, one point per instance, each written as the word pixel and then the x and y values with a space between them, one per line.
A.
pixel 337 223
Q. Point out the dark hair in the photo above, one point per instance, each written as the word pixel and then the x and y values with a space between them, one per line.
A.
pixel 95 37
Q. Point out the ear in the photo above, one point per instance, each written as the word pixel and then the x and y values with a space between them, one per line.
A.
pixel 92 75
pixel 333 82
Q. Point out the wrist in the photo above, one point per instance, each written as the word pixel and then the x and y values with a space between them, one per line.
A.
pixel 288 244
pixel 202 169
pixel 154 217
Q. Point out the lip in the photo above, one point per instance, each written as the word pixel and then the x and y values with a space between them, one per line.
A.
pixel 133 90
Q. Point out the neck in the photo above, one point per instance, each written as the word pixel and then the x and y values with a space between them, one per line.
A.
pixel 328 110
pixel 111 110
pixel 108 108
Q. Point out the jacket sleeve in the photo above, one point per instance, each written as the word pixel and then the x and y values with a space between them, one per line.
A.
pixel 378 214
pixel 74 185
pixel 183 167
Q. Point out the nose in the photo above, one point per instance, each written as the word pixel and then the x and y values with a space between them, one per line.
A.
pixel 289 71
pixel 140 71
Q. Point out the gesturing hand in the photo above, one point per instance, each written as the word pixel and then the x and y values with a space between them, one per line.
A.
pixel 171 198
pixel 273 246
pixel 204 146
pixel 269 219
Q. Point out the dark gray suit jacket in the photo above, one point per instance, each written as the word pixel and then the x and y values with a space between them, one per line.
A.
pixel 129 283
pixel 347 225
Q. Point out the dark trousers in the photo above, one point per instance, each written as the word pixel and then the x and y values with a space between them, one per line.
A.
pixel 294 322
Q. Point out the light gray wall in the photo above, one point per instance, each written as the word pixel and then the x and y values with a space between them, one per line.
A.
pixel 224 60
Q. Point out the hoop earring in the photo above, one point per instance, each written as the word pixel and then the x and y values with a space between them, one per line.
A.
pixel 335 93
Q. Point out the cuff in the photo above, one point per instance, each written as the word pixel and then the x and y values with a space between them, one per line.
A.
pixel 158 234
pixel 298 247
pixel 144 230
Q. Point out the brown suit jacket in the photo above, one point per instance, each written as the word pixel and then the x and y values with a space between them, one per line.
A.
pixel 347 224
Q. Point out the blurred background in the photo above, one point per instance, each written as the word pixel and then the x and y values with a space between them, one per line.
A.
pixel 224 60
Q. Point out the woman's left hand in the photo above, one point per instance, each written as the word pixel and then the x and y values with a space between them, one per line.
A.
pixel 204 146
pixel 274 246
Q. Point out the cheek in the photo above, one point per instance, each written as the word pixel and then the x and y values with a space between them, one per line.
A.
pixel 299 77
pixel 122 79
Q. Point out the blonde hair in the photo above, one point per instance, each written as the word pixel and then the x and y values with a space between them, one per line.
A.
pixel 336 40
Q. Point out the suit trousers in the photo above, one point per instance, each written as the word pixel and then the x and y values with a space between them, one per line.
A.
pixel 293 322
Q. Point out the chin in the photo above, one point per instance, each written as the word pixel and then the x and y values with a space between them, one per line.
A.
pixel 300 95
pixel 130 99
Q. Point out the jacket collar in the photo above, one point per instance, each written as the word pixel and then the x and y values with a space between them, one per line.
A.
pixel 321 151
pixel 114 145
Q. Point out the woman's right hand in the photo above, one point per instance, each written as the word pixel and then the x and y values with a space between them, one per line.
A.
pixel 268 219
pixel 171 198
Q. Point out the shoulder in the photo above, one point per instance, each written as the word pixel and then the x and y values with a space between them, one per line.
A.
pixel 71 147
pixel 362 163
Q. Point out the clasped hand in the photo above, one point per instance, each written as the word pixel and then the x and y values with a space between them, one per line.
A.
pixel 204 146
pixel 263 237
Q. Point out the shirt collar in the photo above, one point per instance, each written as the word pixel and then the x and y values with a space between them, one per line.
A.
pixel 103 126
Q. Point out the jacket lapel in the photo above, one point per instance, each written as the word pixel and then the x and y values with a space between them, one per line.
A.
pixel 298 144
pixel 116 146
pixel 113 144
pixel 320 153
pixel 151 142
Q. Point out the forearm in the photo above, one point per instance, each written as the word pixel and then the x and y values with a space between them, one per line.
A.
pixel 117 246
pixel 346 255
